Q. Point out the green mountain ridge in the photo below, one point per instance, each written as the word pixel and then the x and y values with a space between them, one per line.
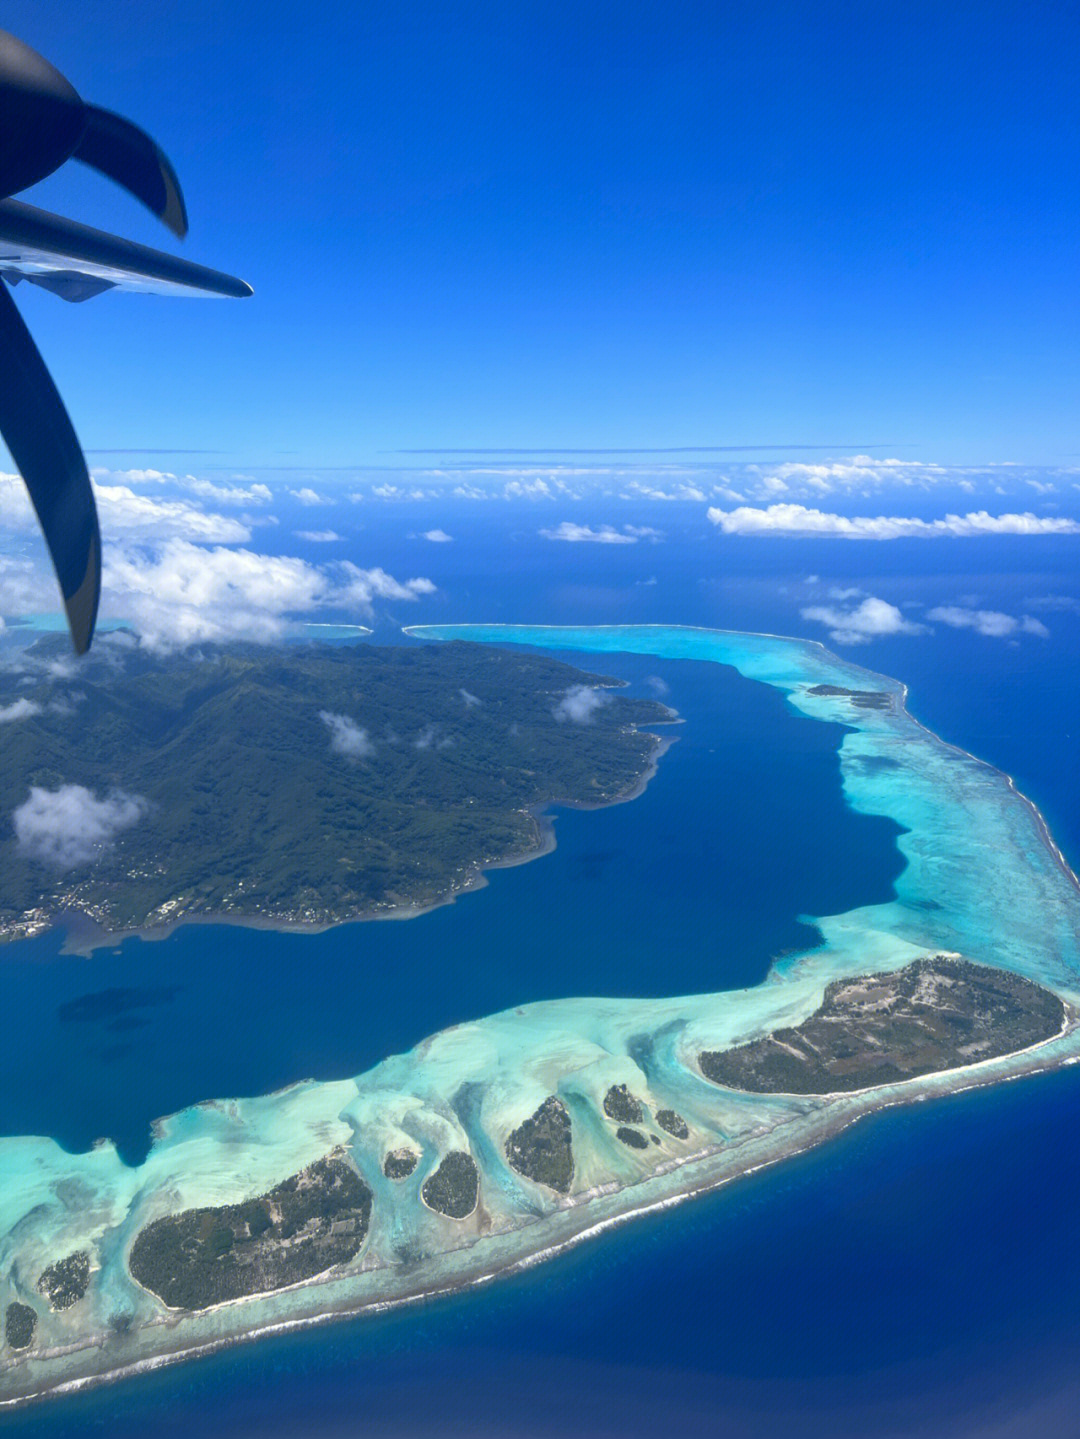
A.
pixel 247 811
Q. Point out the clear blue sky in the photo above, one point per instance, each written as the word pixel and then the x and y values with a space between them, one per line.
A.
pixel 593 225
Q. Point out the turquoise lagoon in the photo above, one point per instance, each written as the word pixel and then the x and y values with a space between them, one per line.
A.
pixel 982 878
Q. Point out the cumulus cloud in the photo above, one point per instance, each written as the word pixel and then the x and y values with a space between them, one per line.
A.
pixel 69 826
pixel 857 624
pixel 18 710
pixel 318 537
pixel 579 704
pixel 228 494
pixel 125 514
pixel 178 594
pixel 603 535
pixel 638 490
pixel 307 496
pixel 799 522
pixel 346 736
pixel 991 623
pixel 359 587
pixel 438 537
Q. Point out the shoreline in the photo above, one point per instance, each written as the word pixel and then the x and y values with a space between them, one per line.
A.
pixel 83 935
pixel 892 682
pixel 827 1125
pixel 768 1135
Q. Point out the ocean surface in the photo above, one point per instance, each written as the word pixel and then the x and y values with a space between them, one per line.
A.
pixel 916 1276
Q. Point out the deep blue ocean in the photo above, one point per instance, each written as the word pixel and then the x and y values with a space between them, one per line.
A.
pixel 918 1276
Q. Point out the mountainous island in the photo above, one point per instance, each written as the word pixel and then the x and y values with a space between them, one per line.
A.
pixel 300 787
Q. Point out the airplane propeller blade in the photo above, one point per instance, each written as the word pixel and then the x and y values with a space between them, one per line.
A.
pixel 128 155
pixel 39 434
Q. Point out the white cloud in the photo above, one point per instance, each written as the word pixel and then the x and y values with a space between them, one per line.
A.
pixel 1066 604
pixel 127 514
pixel 638 490
pixel 438 537
pixel 228 494
pixel 857 624
pixel 605 535
pixel 179 594
pixel 307 496
pixel 991 623
pixel 471 700
pixel 17 710
pixel 346 736
pixel 70 826
pixel 798 522
pixel 579 704
pixel 359 587
pixel 318 537
pixel 135 477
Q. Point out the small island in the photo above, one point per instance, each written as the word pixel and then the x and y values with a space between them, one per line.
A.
pixel 400 1163
pixel 299 788
pixel 304 1226
pixel 932 1015
pixel 454 1187
pixel 20 1321
pixel 542 1147
pixel 860 699
pixel 64 1283
pixel 623 1106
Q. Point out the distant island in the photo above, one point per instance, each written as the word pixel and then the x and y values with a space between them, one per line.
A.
pixel 300 788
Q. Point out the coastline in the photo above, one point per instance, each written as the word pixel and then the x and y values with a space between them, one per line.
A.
pixel 84 935
pixel 703 1172
pixel 594 1042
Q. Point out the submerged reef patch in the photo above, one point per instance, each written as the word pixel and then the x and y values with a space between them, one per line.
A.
pixel 934 1014
pixel 304 1226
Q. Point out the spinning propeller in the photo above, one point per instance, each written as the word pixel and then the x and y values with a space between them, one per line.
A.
pixel 44 123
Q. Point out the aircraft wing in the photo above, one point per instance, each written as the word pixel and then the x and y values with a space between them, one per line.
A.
pixel 77 262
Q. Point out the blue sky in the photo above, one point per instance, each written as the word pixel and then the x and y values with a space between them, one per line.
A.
pixel 852 227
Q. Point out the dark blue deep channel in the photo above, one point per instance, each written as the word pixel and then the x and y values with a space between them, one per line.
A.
pixel 915 1278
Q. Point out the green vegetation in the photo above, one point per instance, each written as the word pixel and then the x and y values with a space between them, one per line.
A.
pixel 249 810
pixel 64 1283
pixel 20 1321
pixel 454 1187
pixel 301 1228
pixel 632 1138
pixel 621 1105
pixel 673 1122
pixel 933 1014
pixel 541 1148
pixel 400 1163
